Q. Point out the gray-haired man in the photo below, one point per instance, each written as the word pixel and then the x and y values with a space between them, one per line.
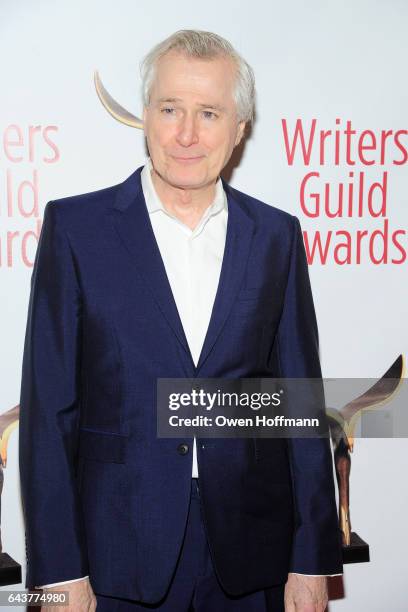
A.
pixel 220 289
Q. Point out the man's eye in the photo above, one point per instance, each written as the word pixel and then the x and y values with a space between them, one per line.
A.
pixel 209 115
pixel 167 110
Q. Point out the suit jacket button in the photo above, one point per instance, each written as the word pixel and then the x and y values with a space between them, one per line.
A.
pixel 182 449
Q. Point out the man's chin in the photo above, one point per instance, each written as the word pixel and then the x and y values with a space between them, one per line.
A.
pixel 186 180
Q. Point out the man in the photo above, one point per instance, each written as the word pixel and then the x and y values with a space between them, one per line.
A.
pixel 172 274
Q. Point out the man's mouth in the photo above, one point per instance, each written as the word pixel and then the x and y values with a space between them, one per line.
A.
pixel 182 159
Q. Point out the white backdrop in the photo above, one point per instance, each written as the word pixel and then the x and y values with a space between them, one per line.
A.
pixel 322 61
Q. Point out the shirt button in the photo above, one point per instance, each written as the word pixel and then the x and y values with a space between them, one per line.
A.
pixel 182 449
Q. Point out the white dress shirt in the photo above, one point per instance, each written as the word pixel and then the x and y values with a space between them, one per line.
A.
pixel 192 260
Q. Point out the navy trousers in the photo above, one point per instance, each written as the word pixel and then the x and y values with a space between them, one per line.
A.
pixel 194 586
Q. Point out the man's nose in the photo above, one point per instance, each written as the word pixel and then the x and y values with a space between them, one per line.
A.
pixel 188 131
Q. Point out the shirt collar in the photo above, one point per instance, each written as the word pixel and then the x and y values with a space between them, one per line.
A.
pixel 153 202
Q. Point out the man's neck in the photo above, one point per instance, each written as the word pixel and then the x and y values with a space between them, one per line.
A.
pixel 188 205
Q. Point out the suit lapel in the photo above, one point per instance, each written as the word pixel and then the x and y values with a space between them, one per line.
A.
pixel 240 228
pixel 132 222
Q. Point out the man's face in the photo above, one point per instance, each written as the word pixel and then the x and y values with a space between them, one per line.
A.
pixel 191 123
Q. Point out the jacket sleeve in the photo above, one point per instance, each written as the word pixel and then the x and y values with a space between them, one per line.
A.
pixel 49 412
pixel 317 546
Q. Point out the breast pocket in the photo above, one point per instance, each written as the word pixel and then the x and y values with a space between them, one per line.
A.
pixel 253 300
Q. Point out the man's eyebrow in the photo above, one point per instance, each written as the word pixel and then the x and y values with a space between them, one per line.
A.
pixel 217 107
pixel 161 100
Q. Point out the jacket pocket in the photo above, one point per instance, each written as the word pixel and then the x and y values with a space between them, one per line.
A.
pixel 102 445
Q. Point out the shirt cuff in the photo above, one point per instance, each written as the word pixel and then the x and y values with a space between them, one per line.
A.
pixel 44 586
pixel 316 575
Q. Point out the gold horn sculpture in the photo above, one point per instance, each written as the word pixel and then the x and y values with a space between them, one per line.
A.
pixel 8 422
pixel 342 425
pixel 114 108
pixel 10 570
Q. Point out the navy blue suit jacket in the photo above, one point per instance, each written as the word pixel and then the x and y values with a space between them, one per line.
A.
pixel 102 495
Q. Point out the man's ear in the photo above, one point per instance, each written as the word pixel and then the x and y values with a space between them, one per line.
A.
pixel 240 132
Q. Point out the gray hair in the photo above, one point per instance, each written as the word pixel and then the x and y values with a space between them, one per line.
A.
pixel 204 45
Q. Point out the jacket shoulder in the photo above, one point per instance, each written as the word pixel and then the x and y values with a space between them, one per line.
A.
pixel 77 208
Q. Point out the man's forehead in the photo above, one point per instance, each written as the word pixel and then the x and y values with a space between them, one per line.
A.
pixel 175 56
pixel 179 77
pixel 178 67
